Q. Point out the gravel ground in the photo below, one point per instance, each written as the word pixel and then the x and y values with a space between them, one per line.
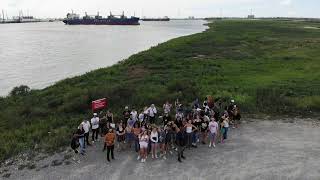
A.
pixel 259 149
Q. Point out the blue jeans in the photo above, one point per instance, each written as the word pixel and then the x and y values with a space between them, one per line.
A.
pixel 225 134
pixel 81 142
pixel 194 137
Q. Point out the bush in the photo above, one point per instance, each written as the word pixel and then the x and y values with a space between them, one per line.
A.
pixel 20 91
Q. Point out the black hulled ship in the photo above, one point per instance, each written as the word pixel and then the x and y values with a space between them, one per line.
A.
pixel 166 18
pixel 74 19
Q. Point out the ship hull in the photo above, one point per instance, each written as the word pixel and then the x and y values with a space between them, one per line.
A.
pixel 155 19
pixel 133 21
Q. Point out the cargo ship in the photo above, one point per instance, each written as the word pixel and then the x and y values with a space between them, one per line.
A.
pixel 166 18
pixel 74 19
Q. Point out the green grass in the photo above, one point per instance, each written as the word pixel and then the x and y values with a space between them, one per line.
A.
pixel 266 66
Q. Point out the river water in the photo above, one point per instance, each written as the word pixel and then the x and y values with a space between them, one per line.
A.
pixel 40 54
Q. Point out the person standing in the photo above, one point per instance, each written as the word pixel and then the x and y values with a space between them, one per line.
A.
pixel 189 127
pixel 126 114
pixel 95 127
pixel 109 140
pixel 143 142
pixel 213 130
pixel 129 131
pixel 134 114
pixel 86 126
pixel 204 129
pixel 162 142
pixel 141 117
pixel 80 135
pixel 109 116
pixel 103 126
pixel 154 137
pixel 152 111
pixel 166 118
pixel 167 107
pixel 225 128
pixel 180 142
pixel 136 132
pixel 120 135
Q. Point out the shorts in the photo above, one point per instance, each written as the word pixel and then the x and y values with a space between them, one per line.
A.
pixel 212 135
pixel 143 145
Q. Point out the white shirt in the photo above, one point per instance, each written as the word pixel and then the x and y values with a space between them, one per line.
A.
pixel 141 117
pixel 225 124
pixel 154 137
pixel 95 122
pixel 134 115
pixel 152 111
pixel 213 126
pixel 86 126
pixel 179 116
pixel 166 108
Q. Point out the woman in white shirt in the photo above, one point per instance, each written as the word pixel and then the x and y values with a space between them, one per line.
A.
pixel 154 138
pixel 225 127
pixel 167 107
pixel 143 142
pixel 213 130
pixel 189 127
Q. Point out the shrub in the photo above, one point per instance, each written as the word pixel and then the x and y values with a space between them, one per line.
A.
pixel 20 91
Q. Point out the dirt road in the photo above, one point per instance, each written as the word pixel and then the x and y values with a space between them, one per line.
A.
pixel 259 149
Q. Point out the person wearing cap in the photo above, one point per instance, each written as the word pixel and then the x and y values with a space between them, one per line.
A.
pixel 231 106
pixel 152 111
pixel 86 126
pixel 109 140
pixel 95 126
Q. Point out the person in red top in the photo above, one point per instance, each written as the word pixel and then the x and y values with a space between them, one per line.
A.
pixel 109 140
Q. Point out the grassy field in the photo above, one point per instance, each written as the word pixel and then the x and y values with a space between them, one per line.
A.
pixel 269 67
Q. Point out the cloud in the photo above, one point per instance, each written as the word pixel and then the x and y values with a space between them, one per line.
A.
pixel 286 2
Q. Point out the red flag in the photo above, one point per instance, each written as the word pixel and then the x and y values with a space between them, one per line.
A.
pixel 99 104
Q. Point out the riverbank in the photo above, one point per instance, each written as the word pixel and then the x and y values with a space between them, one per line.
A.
pixel 259 149
pixel 269 67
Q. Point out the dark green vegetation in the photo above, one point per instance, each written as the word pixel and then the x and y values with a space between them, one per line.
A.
pixel 266 66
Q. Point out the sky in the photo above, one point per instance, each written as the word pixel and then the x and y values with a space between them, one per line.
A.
pixel 160 8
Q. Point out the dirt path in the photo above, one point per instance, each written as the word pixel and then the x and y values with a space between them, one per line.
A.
pixel 258 150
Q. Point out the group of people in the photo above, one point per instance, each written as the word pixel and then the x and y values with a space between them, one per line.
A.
pixel 159 135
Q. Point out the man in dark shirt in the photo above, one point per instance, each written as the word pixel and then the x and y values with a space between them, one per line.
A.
pixel 166 119
pixel 181 142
